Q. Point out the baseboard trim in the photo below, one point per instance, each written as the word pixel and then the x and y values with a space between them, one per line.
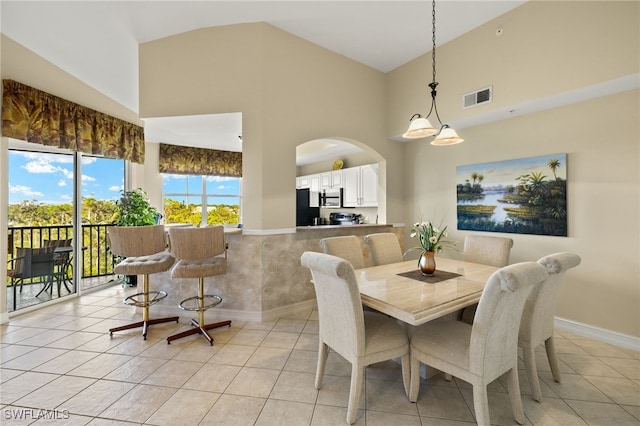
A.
pixel 597 333
pixel 284 311
pixel 219 314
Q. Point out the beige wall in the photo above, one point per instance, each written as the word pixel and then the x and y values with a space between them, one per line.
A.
pixel 547 48
pixel 289 91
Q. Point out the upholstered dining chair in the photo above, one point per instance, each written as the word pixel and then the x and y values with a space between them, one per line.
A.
pixel 347 247
pixel 200 253
pixel 361 337
pixel 484 351
pixel 144 249
pixel 536 326
pixel 486 250
pixel 384 247
pixel 494 251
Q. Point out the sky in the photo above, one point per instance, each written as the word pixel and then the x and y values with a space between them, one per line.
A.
pixel 505 172
pixel 48 178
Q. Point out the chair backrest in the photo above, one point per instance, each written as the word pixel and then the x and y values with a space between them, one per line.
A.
pixel 539 310
pixel 60 243
pixel 196 243
pixel 341 319
pixel 32 263
pixel 133 241
pixel 347 248
pixel 492 251
pixel 494 336
pixel 385 248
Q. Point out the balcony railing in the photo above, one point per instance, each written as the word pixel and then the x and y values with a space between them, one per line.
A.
pixel 97 259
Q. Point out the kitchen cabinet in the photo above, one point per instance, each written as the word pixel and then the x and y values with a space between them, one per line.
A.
pixel 360 186
pixel 331 179
pixel 309 181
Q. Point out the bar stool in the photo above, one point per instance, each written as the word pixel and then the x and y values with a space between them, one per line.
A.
pixel 199 252
pixel 145 251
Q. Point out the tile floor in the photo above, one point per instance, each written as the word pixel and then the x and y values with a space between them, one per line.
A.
pixel 58 365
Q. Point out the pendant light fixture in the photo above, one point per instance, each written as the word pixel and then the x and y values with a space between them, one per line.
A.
pixel 419 126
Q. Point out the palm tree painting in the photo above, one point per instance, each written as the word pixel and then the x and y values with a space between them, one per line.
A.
pixel 523 196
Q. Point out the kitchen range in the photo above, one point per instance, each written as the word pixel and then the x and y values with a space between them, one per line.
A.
pixel 345 219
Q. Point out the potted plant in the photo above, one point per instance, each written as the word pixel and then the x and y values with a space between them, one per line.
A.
pixel 134 209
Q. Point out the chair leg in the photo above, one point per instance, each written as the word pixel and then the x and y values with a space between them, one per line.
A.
pixel 481 404
pixel 200 327
pixel 198 330
pixel 406 373
pixel 414 386
pixel 513 386
pixel 146 322
pixel 355 390
pixel 323 353
pixel 551 356
pixel 532 372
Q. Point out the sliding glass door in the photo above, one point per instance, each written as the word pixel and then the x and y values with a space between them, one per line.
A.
pixel 60 207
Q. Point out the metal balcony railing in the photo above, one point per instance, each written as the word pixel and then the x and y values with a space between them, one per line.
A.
pixel 97 259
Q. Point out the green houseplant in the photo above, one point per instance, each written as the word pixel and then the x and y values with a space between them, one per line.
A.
pixel 134 209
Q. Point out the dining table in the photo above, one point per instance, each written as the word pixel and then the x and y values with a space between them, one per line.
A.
pixel 401 291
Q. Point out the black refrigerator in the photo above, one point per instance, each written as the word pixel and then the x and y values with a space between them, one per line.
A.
pixel 304 213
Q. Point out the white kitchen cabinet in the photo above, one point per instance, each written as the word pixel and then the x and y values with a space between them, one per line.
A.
pixel 309 181
pixel 360 186
pixel 331 179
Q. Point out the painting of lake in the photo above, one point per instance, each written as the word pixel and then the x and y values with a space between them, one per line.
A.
pixel 523 196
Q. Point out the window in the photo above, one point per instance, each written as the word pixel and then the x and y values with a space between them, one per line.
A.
pixel 201 200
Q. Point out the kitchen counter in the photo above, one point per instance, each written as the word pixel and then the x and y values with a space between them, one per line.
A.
pixel 360 227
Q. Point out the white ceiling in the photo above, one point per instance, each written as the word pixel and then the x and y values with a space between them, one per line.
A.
pixel 380 34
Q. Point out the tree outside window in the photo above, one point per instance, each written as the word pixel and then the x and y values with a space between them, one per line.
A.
pixel 201 200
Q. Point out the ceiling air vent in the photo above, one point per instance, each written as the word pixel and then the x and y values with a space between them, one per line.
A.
pixel 478 97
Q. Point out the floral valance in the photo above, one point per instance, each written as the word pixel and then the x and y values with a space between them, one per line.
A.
pixel 199 161
pixel 35 116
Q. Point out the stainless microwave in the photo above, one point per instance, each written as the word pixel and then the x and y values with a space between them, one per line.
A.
pixel 331 198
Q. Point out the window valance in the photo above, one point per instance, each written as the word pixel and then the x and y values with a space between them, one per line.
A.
pixel 199 161
pixel 35 116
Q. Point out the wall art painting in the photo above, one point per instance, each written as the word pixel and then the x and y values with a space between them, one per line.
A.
pixel 523 196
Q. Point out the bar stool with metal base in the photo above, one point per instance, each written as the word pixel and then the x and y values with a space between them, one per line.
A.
pixel 145 251
pixel 199 252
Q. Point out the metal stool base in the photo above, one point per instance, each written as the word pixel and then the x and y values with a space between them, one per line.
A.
pixel 144 324
pixel 199 330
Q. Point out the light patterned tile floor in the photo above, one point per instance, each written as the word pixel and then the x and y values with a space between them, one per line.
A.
pixel 59 366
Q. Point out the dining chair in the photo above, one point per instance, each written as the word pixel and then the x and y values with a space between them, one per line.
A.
pixel 346 247
pixel 200 253
pixel 29 264
pixel 63 250
pixel 144 249
pixel 384 247
pixel 494 251
pixel 484 351
pixel 538 316
pixel 486 250
pixel 360 337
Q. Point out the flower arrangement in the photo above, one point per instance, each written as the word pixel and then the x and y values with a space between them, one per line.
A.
pixel 430 237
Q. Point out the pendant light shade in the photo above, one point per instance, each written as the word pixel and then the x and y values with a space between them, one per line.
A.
pixel 419 126
pixel 447 136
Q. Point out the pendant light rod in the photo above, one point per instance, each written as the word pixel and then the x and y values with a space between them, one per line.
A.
pixel 419 126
